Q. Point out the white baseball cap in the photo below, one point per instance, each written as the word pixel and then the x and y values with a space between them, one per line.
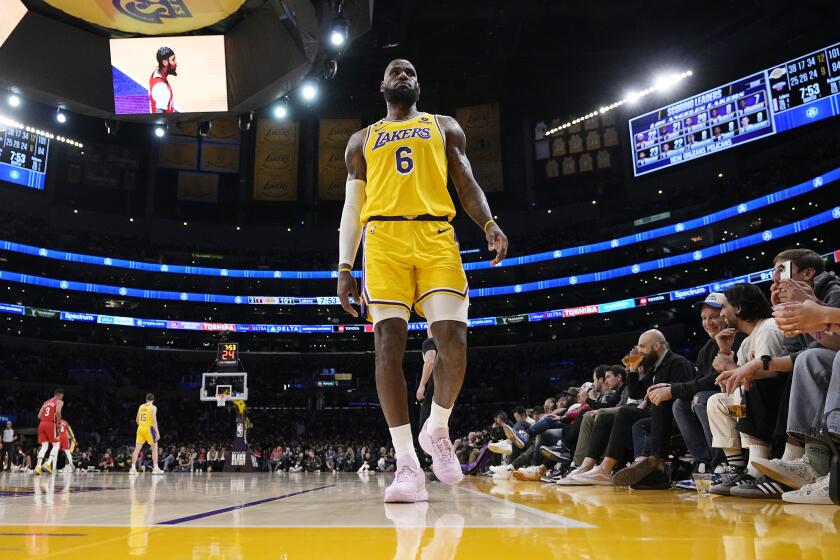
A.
pixel 714 299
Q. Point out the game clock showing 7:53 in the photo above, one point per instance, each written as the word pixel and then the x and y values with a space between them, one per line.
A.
pixel 228 353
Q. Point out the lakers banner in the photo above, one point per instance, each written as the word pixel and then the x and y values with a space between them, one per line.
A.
pixel 224 130
pixel 332 141
pixel 198 187
pixel 275 161
pixel 219 157
pixel 178 153
pixel 150 17
pixel 484 146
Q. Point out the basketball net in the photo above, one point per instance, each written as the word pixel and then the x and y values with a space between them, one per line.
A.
pixel 220 400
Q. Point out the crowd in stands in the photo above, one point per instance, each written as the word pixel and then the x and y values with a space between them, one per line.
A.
pixel 757 409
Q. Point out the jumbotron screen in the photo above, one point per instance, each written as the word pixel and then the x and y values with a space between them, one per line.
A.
pixel 23 157
pixel 798 92
pixel 169 75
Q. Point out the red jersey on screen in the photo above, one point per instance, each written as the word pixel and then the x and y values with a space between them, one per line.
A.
pixel 153 81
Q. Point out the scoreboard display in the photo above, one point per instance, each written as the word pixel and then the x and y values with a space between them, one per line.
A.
pixel 227 353
pixel 792 94
pixel 23 157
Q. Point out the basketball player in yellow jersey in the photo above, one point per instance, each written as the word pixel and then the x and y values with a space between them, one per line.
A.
pixel 397 198
pixel 147 432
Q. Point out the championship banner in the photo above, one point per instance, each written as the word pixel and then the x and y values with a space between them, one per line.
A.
pixel 150 17
pixel 219 157
pixel 178 153
pixel 276 161
pixel 198 187
pixel 333 136
pixel 484 146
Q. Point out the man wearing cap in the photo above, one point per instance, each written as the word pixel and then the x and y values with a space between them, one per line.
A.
pixel 161 98
pixel 690 396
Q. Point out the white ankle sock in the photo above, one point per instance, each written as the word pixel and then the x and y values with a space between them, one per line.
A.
pixel 404 442
pixel 793 452
pixel 438 418
pixel 757 451
pixel 54 456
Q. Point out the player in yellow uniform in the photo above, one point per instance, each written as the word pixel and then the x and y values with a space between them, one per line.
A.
pixel 397 201
pixel 147 432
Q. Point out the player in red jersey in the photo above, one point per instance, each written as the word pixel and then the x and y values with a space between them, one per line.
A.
pixel 161 97
pixel 66 443
pixel 49 416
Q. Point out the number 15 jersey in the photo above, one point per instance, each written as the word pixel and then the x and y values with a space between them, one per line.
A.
pixel 406 169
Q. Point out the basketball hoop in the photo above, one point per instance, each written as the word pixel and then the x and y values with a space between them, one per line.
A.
pixel 220 400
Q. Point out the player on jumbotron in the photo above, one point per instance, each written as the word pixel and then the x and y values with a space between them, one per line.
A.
pixel 49 415
pixel 161 97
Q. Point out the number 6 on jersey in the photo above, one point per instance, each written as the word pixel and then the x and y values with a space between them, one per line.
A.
pixel 405 164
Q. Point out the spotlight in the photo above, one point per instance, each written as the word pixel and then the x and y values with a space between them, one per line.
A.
pixel 245 121
pixel 665 83
pixel 160 131
pixel 309 91
pixel 280 110
pixel 14 100
pixel 60 117
pixel 204 128
pixel 111 127
pixel 338 31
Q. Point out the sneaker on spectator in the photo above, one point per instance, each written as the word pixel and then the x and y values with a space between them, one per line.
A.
pixel 571 480
pixel 518 438
pixel 409 484
pixel 815 493
pixel 445 464
pixel 655 480
pixel 764 488
pixel 595 477
pixel 501 468
pixel 796 473
pixel 686 484
pixel 529 473
pixel 559 452
pixel 734 476
pixel 637 471
pixel 501 447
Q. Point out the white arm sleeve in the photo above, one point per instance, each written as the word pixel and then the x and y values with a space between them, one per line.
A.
pixel 351 227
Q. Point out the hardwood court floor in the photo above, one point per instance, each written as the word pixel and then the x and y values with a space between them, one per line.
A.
pixel 280 517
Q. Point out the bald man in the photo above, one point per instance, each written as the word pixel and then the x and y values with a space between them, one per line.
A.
pixel 660 365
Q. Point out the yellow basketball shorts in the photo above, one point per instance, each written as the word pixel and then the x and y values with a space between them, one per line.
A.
pixel 146 434
pixel 407 261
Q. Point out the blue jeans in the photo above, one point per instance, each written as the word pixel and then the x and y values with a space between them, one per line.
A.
pixel 641 438
pixel 543 424
pixel 693 422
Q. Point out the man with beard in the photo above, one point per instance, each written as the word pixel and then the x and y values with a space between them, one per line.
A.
pixel 397 195
pixel 689 407
pixel 161 98
pixel 660 365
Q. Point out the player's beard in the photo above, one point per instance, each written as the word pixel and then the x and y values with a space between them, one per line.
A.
pixel 173 70
pixel 402 96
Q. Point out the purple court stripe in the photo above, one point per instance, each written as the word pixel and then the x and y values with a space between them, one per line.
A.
pixel 43 534
pixel 241 506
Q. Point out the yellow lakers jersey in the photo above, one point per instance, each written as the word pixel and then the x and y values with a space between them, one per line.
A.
pixel 144 416
pixel 406 169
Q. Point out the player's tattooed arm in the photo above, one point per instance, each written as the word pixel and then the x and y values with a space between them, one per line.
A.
pixel 469 193
pixel 354 156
